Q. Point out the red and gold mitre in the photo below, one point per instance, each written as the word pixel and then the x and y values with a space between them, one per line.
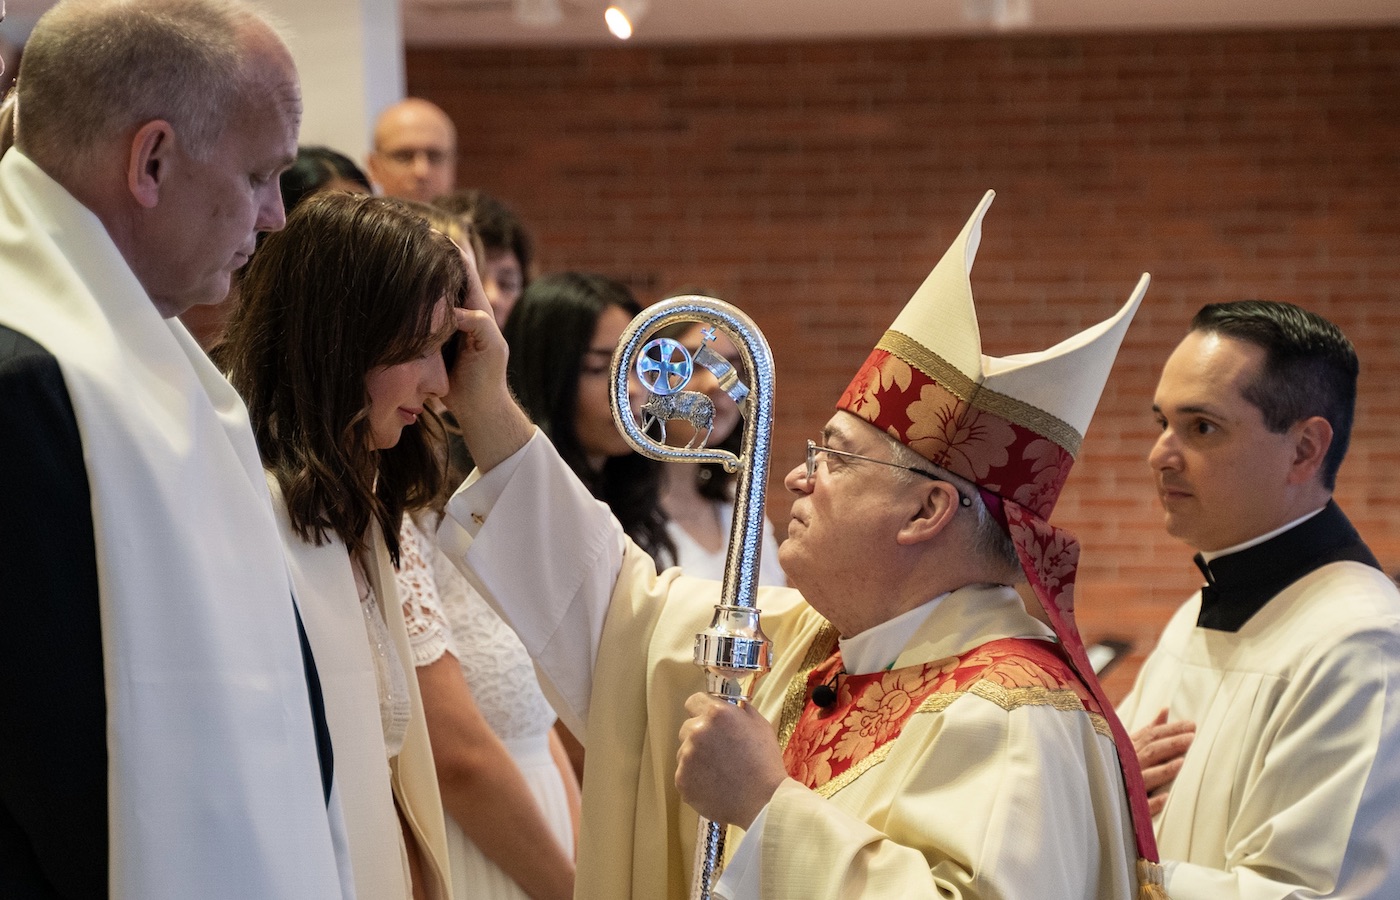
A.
pixel 1010 425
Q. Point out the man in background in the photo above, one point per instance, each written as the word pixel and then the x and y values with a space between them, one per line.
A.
pixel 415 151
pixel 160 706
pixel 1271 698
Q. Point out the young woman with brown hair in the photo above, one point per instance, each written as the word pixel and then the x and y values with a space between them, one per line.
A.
pixel 336 348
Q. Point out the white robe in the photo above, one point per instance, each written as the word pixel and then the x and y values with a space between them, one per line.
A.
pixel 1291 788
pixel 974 800
pixel 697 562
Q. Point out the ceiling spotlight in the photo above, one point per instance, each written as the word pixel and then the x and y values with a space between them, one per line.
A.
pixel 623 15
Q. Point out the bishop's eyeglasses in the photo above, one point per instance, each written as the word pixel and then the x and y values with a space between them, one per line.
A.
pixel 813 448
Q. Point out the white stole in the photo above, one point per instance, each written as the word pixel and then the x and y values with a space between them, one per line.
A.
pixel 214 786
pixel 368 782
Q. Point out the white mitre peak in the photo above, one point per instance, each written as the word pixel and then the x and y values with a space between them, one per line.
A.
pixel 1065 380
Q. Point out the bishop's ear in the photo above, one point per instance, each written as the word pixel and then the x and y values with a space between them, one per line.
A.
pixel 939 503
pixel 149 161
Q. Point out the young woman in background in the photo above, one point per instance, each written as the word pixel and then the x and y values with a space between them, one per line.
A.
pixel 699 499
pixel 508 789
pixel 562 335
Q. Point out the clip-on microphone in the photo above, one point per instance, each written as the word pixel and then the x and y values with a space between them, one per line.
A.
pixel 824 695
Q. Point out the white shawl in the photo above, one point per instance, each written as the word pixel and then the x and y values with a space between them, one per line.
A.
pixel 214 787
pixel 368 782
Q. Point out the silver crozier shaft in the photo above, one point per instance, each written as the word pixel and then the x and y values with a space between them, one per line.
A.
pixel 733 650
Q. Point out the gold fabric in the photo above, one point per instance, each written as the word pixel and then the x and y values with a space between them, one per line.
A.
pixel 960 386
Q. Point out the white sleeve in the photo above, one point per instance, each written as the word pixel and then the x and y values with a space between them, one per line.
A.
pixel 545 554
pixel 742 878
pixel 429 634
pixel 1320 815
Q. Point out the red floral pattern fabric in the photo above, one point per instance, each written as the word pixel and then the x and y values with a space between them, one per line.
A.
pixel 906 403
pixel 1050 558
pixel 871 710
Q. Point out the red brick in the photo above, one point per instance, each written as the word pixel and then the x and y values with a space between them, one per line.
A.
pixel 816 183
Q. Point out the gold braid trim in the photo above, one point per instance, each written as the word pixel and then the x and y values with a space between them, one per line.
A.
pixel 821 647
pixel 1017 412
pixel 1008 699
pixel 876 757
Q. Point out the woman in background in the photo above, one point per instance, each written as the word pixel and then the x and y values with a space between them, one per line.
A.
pixel 510 795
pixel 320 169
pixel 336 347
pixel 562 334
pixel 507 266
pixel 699 499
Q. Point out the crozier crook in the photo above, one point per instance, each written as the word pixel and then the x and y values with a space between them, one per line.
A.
pixel 733 650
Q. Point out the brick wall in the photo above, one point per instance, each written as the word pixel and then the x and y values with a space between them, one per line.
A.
pixel 816 184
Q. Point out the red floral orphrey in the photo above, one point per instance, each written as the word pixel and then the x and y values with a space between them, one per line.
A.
pixel 871 710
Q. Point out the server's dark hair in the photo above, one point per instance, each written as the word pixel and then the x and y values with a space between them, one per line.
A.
pixel 1309 369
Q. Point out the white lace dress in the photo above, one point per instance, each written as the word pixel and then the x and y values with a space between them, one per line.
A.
pixel 444 614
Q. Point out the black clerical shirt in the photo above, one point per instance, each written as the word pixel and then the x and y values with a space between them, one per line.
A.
pixel 1239 584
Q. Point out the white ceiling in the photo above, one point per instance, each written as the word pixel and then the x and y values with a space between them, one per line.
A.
pixel 485 22
pixel 469 22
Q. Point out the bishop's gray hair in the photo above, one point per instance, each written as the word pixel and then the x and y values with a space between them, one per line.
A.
pixel 92 68
pixel 989 541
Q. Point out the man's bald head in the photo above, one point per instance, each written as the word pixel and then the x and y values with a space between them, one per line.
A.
pixel 170 120
pixel 415 151
pixel 94 69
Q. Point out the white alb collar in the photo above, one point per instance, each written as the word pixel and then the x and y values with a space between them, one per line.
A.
pixel 877 648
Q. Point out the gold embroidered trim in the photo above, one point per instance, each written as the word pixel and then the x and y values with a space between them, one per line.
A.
pixel 1017 412
pixel 874 758
pixel 1010 698
pixel 822 646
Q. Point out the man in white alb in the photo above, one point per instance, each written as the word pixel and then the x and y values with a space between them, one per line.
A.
pixel 1282 674
pixel 163 731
